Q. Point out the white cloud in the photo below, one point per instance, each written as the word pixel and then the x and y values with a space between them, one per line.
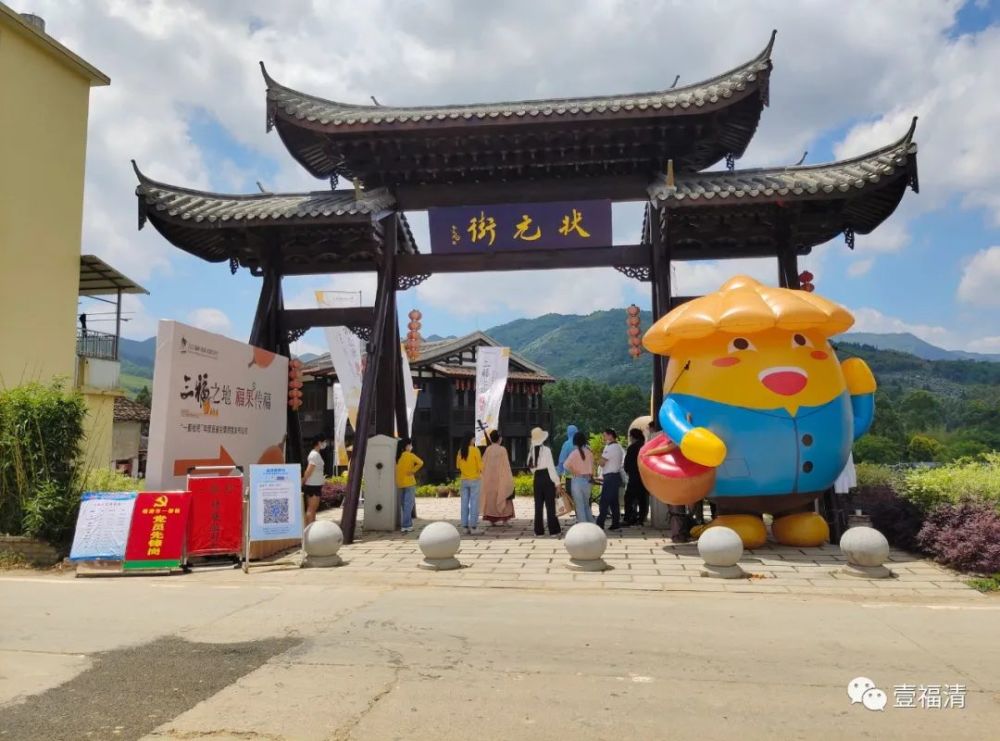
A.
pixel 981 278
pixel 175 63
pixel 872 320
pixel 211 320
pixel 530 294
pixel 860 267
pixel 696 278
pixel 985 344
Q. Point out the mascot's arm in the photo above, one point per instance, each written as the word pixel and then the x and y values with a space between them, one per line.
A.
pixel 698 444
pixel 861 386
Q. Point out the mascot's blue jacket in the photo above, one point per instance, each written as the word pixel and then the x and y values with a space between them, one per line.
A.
pixel 769 451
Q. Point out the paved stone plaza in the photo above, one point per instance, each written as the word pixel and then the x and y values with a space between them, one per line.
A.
pixel 641 559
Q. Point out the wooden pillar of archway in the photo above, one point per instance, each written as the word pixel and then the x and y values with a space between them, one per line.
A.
pixel 267 333
pixel 377 347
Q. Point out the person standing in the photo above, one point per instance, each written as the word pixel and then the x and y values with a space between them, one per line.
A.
pixel 612 458
pixel 564 452
pixel 407 465
pixel 546 482
pixel 580 465
pixel 469 462
pixel 636 496
pixel 313 479
pixel 496 502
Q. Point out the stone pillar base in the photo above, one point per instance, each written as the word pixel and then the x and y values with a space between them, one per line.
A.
pixel 440 564
pixel 867 572
pixel 723 572
pixel 322 561
pixel 597 564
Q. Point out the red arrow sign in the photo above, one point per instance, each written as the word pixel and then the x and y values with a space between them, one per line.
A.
pixel 182 465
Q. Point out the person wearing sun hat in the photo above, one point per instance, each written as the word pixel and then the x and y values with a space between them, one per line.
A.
pixel 546 482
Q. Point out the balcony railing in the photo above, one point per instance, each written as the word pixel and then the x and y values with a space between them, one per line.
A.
pixel 90 344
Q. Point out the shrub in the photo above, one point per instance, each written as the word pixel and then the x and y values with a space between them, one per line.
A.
pixel 928 488
pixel 876 475
pixel 41 436
pixel 896 518
pixel 964 536
pixel 106 479
pixel 922 448
pixel 877 449
pixel 524 485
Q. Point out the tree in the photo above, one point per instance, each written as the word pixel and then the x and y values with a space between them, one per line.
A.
pixel 592 406
pixel 923 449
pixel 877 449
pixel 887 423
pixel 144 397
pixel 920 410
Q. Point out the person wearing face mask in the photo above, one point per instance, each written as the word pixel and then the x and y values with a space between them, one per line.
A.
pixel 314 478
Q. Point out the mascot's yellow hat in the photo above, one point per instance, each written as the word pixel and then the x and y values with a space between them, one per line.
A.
pixel 745 306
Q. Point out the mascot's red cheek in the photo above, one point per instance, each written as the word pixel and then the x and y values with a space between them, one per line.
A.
pixel 725 362
pixel 819 355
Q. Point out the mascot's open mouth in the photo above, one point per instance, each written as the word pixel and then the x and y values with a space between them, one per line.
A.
pixel 669 476
pixel 786 380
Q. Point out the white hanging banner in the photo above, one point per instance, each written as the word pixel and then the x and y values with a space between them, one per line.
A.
pixel 340 425
pixel 408 390
pixel 345 349
pixel 491 380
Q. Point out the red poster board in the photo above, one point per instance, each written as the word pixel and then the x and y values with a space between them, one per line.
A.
pixel 215 526
pixel 159 524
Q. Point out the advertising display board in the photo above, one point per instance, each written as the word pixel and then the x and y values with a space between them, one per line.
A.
pixel 102 526
pixel 216 402
pixel 491 380
pixel 159 525
pixel 215 525
pixel 275 502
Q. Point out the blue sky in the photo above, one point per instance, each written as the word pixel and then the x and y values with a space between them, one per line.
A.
pixel 191 111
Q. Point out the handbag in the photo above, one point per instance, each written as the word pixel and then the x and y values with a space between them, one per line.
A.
pixel 566 504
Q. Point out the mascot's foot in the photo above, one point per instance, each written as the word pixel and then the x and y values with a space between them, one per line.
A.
pixel 801 530
pixel 750 528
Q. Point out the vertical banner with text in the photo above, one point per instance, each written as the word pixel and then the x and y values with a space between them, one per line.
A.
pixel 409 391
pixel 491 380
pixel 340 426
pixel 345 349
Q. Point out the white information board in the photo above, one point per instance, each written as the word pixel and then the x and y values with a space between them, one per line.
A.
pixel 102 526
pixel 275 502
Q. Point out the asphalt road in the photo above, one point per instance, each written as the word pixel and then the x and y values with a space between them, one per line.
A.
pixel 174 658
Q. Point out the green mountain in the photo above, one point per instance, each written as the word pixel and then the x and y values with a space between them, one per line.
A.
pixel 571 346
pixel 908 343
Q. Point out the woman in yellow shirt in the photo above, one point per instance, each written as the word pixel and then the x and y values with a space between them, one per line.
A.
pixel 469 462
pixel 407 464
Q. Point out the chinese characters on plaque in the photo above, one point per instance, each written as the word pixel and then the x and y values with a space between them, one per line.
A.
pixel 520 226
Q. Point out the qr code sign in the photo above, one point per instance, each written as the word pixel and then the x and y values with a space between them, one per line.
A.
pixel 275 511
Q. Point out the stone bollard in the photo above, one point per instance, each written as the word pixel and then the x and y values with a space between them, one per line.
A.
pixel 721 548
pixel 321 540
pixel 867 550
pixel 439 542
pixel 586 542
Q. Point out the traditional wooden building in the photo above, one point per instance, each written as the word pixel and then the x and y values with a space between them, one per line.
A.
pixel 445 378
pixel 649 147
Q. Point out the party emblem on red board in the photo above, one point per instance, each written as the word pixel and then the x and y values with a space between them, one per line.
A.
pixel 159 524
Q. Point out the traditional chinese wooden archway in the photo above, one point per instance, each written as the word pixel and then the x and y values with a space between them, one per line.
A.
pixel 647 147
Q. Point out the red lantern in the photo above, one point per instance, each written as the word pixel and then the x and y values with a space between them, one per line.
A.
pixel 633 310
pixel 805 277
pixel 414 314
pixel 808 287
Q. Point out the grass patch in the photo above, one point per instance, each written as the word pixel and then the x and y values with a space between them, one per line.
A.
pixel 10 560
pixel 986 583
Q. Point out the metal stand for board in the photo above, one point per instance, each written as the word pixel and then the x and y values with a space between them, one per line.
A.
pixel 237 556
